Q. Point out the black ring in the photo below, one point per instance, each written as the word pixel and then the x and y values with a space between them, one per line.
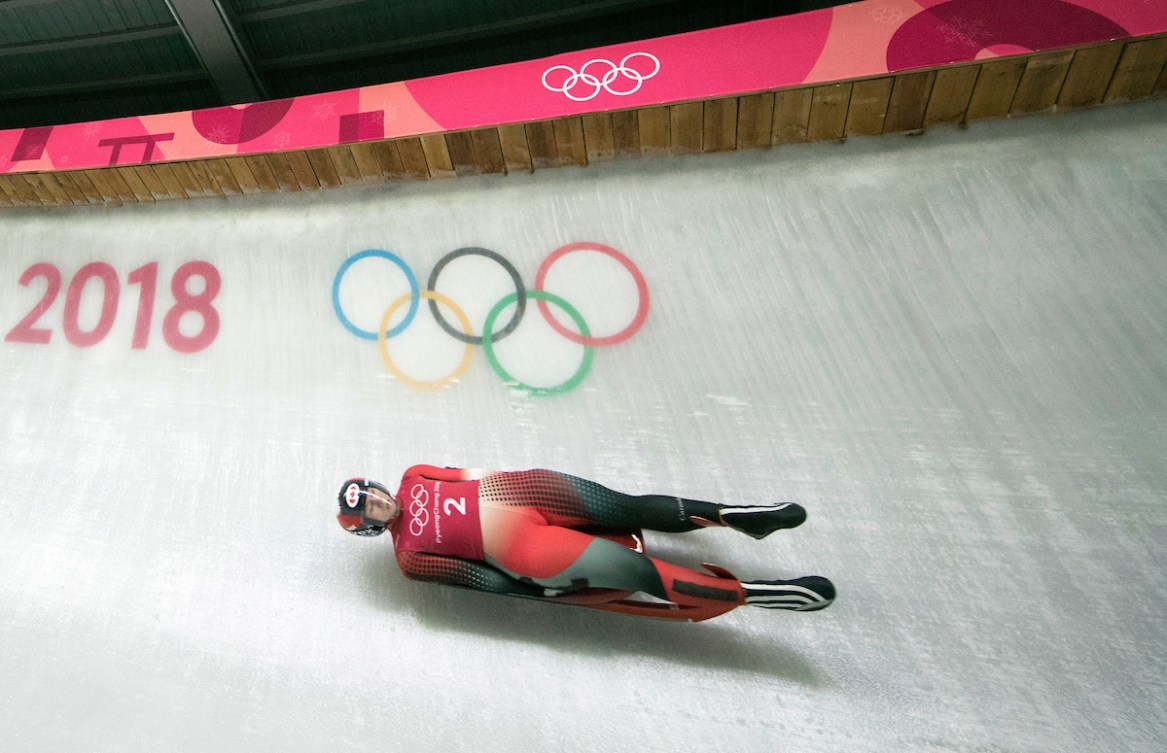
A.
pixel 520 300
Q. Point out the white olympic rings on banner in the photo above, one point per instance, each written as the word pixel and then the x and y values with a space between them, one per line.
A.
pixel 601 83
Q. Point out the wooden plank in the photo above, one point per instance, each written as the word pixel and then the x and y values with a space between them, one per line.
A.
pixel 626 133
pixel 1041 82
pixel 188 180
pixel 791 121
pixel 115 180
pixel 719 125
pixel 867 110
pixel 44 197
pixel 76 195
pixel 203 178
pixel 993 92
pixel 27 193
pixel 413 160
pixel 244 178
pixel 8 193
pixel 336 165
pixel 653 126
pixel 951 95
pixel 569 141
pixel 1138 70
pixel 828 111
pixel 100 180
pixel 84 187
pixel 389 157
pixel 326 164
pixel 282 170
pixel 302 170
pixel 437 156
pixel 71 196
pixel 488 150
pixel 220 172
pixel 141 191
pixel 261 171
pixel 598 139
pixel 461 150
pixel 515 152
pixel 368 163
pixel 346 167
pixel 909 102
pixel 686 127
pixel 51 188
pixel 151 180
pixel 755 118
pixel 165 173
pixel 1090 74
pixel 541 141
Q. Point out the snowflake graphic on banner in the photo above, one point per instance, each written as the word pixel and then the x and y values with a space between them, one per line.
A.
pixel 219 135
pixel 965 31
pixel 888 15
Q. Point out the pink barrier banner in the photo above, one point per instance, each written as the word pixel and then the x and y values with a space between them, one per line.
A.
pixel 862 39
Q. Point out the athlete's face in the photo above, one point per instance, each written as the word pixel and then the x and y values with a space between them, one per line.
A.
pixel 380 507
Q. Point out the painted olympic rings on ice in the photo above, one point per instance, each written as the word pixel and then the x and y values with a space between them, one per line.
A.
pixel 521 293
pixel 570 85
pixel 489 335
pixel 585 363
pixel 375 252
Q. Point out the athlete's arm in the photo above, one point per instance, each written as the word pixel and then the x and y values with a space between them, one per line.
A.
pixel 446 474
pixel 455 571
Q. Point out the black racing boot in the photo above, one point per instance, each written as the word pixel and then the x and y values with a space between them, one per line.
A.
pixel 806 594
pixel 761 520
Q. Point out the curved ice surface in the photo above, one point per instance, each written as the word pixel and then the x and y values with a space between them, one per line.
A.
pixel 950 349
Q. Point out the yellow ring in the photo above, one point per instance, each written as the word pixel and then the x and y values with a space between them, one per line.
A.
pixel 419 384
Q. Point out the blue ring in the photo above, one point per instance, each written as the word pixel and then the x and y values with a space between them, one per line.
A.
pixel 414 295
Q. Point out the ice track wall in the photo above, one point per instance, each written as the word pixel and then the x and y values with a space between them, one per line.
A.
pixel 950 349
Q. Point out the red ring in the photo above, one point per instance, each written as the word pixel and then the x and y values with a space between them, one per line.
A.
pixel 641 290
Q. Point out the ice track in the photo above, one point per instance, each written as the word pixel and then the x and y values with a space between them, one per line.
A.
pixel 950 349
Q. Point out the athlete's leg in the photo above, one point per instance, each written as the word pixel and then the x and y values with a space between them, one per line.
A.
pixel 519 542
pixel 570 501
pixel 555 557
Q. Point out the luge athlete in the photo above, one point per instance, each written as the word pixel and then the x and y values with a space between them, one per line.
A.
pixel 547 535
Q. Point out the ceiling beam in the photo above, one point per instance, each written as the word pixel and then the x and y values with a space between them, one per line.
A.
pixel 464 33
pixel 124 84
pixel 89 40
pixel 208 28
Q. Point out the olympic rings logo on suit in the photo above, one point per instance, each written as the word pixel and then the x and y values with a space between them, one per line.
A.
pixel 604 82
pixel 465 334
pixel 419 514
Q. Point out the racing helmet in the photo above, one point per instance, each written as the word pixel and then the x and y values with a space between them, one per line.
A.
pixel 351 499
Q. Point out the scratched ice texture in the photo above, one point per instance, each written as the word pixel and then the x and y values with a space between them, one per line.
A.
pixel 950 348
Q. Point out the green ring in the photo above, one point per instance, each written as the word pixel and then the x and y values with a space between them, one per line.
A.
pixel 488 346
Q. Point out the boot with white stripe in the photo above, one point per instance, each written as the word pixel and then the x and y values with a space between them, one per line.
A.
pixel 806 594
pixel 760 521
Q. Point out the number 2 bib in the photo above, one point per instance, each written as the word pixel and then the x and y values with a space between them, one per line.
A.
pixel 439 517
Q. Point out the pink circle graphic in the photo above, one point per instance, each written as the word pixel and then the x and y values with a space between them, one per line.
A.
pixel 959 30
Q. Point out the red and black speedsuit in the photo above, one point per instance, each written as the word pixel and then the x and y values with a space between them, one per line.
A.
pixel 546 534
